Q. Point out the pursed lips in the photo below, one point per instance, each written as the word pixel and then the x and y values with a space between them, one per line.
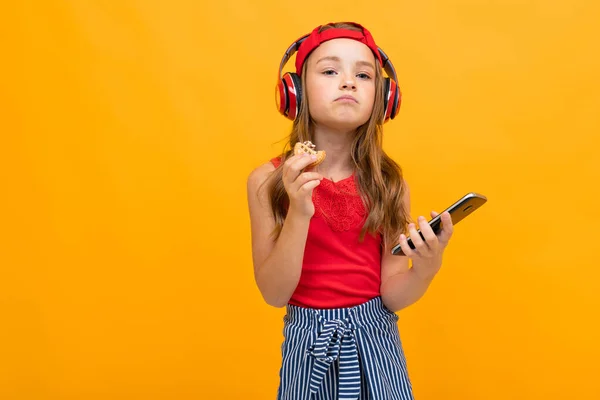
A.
pixel 347 98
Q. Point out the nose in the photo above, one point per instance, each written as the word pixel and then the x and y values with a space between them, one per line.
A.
pixel 348 83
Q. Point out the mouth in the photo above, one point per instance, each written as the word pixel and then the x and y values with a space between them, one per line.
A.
pixel 347 98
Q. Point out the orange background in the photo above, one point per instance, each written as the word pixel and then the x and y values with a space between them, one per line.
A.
pixel 129 129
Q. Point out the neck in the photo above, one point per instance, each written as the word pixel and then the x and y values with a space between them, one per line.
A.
pixel 337 145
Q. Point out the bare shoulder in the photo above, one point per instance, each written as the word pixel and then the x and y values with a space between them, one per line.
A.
pixel 258 176
pixel 260 173
pixel 258 193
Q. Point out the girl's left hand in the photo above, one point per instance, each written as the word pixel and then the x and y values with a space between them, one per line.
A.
pixel 427 255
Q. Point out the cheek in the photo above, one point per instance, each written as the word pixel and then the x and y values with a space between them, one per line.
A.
pixel 316 95
pixel 370 97
pixel 315 89
pixel 370 93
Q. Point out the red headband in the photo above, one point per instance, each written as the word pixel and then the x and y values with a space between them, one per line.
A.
pixel 315 39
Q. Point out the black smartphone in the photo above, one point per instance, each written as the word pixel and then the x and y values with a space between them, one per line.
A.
pixel 458 211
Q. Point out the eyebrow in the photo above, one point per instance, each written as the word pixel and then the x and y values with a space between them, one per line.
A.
pixel 337 59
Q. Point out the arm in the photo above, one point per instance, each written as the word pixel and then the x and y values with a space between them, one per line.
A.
pixel 402 286
pixel 277 264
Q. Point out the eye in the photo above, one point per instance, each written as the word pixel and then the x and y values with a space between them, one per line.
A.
pixel 328 72
pixel 363 76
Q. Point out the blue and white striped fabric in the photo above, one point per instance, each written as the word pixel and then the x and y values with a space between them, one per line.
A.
pixel 343 354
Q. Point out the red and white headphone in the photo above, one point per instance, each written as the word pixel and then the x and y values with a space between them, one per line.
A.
pixel 289 95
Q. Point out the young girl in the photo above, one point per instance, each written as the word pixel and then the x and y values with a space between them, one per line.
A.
pixel 322 236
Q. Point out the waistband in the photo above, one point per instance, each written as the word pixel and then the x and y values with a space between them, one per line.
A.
pixel 362 314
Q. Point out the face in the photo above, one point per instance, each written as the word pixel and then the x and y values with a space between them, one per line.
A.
pixel 340 83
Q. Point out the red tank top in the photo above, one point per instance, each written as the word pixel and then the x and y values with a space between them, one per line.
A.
pixel 338 270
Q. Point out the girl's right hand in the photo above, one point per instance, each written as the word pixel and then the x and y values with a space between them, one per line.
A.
pixel 299 185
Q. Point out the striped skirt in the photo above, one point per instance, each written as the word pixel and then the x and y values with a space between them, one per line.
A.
pixel 344 353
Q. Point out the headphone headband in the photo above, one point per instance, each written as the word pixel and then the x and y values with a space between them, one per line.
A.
pixel 318 36
pixel 290 52
pixel 384 60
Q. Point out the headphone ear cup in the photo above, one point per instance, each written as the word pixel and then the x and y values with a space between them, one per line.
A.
pixel 289 95
pixel 295 96
pixel 281 96
pixel 396 96
pixel 386 99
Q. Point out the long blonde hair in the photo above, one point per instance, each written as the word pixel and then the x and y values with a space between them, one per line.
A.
pixel 379 179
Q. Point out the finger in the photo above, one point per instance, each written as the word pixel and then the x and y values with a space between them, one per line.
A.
pixel 290 160
pixel 406 248
pixel 430 237
pixel 433 214
pixel 309 186
pixel 305 177
pixel 288 163
pixel 304 162
pixel 415 237
pixel 447 228
pixel 295 167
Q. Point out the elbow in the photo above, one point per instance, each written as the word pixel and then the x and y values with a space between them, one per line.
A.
pixel 393 302
pixel 277 304
pixel 388 302
pixel 272 296
pixel 272 292
pixel 275 301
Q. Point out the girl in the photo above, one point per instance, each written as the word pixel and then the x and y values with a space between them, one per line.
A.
pixel 321 236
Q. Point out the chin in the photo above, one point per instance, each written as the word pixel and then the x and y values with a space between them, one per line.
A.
pixel 342 121
pixel 347 122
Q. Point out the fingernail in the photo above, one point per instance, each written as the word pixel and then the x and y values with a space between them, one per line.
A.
pixel 421 218
pixel 313 157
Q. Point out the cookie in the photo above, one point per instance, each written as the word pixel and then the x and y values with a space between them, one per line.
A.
pixel 309 148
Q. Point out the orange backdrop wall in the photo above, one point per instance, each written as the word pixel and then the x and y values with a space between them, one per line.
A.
pixel 128 131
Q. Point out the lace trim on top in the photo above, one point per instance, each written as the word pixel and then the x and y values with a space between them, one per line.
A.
pixel 339 204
